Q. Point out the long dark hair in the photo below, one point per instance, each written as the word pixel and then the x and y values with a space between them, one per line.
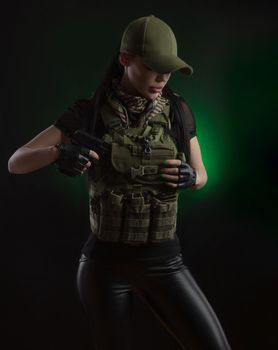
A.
pixel 115 71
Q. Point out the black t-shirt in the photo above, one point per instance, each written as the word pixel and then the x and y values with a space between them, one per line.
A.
pixel 75 117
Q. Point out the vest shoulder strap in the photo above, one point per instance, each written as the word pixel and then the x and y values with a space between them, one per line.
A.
pixel 162 118
pixel 109 118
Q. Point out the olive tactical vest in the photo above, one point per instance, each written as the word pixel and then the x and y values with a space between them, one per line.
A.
pixel 129 201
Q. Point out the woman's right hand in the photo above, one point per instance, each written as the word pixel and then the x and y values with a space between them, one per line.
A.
pixel 74 160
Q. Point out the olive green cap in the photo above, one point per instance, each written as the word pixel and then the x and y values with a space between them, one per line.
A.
pixel 153 40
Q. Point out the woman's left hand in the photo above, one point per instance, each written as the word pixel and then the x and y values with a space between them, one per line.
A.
pixel 178 173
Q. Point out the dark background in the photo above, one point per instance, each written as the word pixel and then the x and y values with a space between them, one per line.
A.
pixel 56 52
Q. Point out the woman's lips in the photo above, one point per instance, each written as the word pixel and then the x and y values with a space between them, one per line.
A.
pixel 155 89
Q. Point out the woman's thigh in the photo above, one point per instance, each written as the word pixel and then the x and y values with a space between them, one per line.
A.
pixel 107 298
pixel 172 294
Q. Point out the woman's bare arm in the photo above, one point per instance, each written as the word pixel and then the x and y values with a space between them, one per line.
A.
pixel 196 162
pixel 38 152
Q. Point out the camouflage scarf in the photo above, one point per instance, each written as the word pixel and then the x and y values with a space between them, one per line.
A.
pixel 134 110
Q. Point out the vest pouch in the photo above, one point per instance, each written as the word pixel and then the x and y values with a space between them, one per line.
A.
pixel 136 219
pixel 163 219
pixel 124 157
pixel 160 154
pixel 110 216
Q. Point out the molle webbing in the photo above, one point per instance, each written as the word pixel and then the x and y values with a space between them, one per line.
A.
pixel 135 218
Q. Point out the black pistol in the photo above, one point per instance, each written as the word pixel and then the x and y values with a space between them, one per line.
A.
pixel 82 138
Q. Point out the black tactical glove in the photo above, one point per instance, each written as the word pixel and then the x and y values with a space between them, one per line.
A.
pixel 72 159
pixel 187 175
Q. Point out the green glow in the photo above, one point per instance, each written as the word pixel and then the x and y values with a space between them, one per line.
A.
pixel 216 152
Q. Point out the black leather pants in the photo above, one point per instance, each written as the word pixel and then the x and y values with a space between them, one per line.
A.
pixel 167 288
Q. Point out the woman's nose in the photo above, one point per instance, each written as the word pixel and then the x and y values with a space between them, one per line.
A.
pixel 162 77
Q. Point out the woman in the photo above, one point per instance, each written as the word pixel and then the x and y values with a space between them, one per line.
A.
pixel 148 156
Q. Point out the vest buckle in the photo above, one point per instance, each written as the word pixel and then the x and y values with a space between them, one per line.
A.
pixel 144 170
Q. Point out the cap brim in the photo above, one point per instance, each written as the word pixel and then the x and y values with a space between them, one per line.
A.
pixel 167 64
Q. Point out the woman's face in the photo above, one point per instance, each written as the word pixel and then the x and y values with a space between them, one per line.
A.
pixel 138 79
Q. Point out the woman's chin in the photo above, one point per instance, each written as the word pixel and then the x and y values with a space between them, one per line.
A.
pixel 151 95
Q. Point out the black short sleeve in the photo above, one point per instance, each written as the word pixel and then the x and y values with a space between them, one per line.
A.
pixel 75 116
pixel 190 122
